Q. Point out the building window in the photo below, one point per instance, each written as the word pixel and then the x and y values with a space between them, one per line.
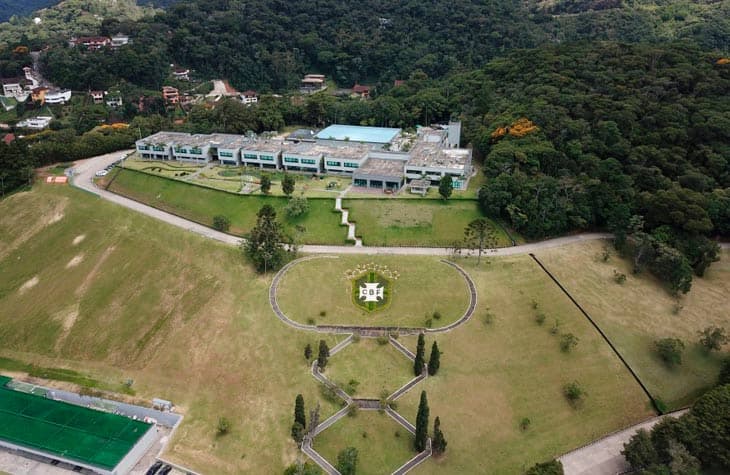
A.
pixel 351 165
pixel 308 161
pixel 291 160
pixel 268 158
pixel 333 164
pixel 143 147
pixel 250 156
pixel 158 148
pixel 196 151
pixel 225 154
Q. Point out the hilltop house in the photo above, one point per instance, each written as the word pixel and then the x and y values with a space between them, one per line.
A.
pixel 92 43
pixel 97 96
pixel 119 40
pixel 170 94
pixel 249 97
pixel 313 83
pixel 361 91
pixel 181 74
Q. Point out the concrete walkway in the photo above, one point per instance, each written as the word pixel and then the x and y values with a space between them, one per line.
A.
pixel 83 175
pixel 603 456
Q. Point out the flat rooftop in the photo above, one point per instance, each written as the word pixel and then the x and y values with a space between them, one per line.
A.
pixel 426 154
pixel 358 133
pixel 60 429
pixel 355 151
pixel 381 167
pixel 272 146
pixel 228 141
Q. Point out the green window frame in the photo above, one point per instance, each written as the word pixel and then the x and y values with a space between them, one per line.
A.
pixel 196 151
pixel 333 164
pixel 250 156
pixel 143 147
pixel 267 158
pixel 351 165
pixel 308 161
pixel 157 148
pixel 291 160
pixel 225 154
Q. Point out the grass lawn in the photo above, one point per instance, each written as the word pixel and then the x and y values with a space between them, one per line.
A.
pixel 374 436
pixel 391 222
pixel 92 287
pixel 321 223
pixel 376 367
pixel 494 375
pixel 423 287
pixel 640 311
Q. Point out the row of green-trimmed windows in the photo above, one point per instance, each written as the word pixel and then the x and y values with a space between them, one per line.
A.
pixel 351 165
pixel 143 147
pixel 308 161
pixel 196 151
pixel 333 164
pixel 181 150
pixel 225 154
pixel 268 158
pixel 158 148
pixel 250 156
pixel 291 160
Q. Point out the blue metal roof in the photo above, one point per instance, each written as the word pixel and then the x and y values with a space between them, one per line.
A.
pixel 358 133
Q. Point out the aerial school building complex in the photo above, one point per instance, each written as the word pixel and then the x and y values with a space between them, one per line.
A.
pixel 375 157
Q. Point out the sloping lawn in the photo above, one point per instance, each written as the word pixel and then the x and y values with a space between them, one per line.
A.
pixel 321 224
pixel 638 312
pixel 402 222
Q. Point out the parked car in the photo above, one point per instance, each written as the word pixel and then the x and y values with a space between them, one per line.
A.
pixel 102 172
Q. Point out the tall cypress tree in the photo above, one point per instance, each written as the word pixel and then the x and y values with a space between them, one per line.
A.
pixel 434 362
pixel 422 423
pixel 299 415
pixel 420 353
pixel 324 353
pixel 439 442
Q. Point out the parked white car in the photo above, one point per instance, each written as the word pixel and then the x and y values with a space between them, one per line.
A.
pixel 102 172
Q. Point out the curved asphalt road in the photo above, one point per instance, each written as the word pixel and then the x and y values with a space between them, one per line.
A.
pixel 84 171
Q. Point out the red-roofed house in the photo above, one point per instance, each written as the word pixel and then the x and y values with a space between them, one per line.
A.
pixel 360 90
pixel 170 94
pixel 92 42
pixel 8 138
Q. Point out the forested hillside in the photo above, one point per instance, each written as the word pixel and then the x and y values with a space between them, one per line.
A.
pixel 9 8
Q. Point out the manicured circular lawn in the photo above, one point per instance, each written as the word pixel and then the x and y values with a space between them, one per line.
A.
pixel 320 291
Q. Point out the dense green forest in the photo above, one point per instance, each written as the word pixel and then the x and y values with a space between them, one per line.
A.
pixel 268 44
pixel 9 8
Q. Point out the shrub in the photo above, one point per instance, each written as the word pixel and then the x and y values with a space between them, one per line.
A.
pixel 428 323
pixel 712 338
pixel 540 318
pixel 568 341
pixel 554 467
pixel 329 394
pixel 437 315
pixel 555 328
pixel 534 304
pixel 297 206
pixel 670 351
pixel 382 340
pixel 488 317
pixel 351 387
pixel 525 423
pixel 353 410
pixel 224 425
pixel 355 337
pixel 221 223
pixel 573 392
pixel 323 313
pixel 619 277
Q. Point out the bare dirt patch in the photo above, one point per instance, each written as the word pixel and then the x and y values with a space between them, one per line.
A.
pixel 67 317
pixel 28 285
pixel 79 239
pixel 81 290
pixel 75 261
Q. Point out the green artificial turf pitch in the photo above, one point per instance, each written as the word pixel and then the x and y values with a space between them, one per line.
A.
pixel 65 430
